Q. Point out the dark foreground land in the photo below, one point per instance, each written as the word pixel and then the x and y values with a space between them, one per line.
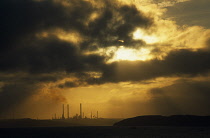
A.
pixel 27 122
pixel 174 120
pixel 177 126
pixel 106 132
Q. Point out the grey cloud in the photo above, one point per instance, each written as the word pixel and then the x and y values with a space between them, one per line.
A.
pixel 191 12
pixel 177 63
pixel 183 97
pixel 70 84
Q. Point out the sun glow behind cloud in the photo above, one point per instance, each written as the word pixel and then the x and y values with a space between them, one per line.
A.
pixel 123 53
pixel 140 34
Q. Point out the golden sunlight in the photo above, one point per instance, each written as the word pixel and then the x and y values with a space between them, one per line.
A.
pixel 140 34
pixel 123 53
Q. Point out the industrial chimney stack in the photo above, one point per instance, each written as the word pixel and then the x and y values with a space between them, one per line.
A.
pixel 80 110
pixel 91 116
pixel 63 116
pixel 68 111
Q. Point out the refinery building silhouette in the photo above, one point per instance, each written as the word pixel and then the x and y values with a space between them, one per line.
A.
pixel 76 116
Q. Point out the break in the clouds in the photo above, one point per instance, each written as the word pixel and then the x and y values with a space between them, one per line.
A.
pixel 52 45
pixel 177 63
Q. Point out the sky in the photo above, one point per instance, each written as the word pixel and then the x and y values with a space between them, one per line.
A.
pixel 122 58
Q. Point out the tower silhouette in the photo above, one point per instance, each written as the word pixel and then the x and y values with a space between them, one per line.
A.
pixel 91 116
pixel 68 111
pixel 80 110
pixel 63 115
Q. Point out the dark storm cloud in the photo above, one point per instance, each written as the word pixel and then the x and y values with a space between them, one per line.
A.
pixel 118 23
pixel 191 12
pixel 47 56
pixel 177 63
pixel 33 59
pixel 30 78
pixel 183 97
pixel 40 57
pixel 69 84
pixel 21 19
pixel 21 49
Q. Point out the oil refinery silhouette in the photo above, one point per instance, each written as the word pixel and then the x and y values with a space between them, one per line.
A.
pixel 64 119
pixel 68 125
pixel 76 116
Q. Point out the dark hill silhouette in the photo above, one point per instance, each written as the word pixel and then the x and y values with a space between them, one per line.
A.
pixel 158 120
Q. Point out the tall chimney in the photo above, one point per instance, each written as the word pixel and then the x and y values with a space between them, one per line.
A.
pixel 68 111
pixel 63 117
pixel 91 115
pixel 80 110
